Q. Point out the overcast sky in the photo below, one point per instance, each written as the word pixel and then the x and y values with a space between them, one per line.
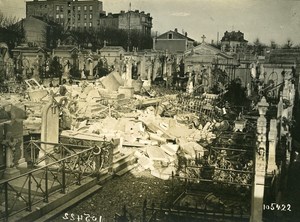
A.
pixel 267 20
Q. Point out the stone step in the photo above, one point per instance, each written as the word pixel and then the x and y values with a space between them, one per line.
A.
pixel 126 170
pixel 68 204
pixel 56 200
pixel 129 162
pixel 104 178
pixel 120 160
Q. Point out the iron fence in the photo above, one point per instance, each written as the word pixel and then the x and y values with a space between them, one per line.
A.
pixel 56 171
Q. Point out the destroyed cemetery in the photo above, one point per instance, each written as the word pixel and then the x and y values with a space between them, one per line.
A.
pixel 108 123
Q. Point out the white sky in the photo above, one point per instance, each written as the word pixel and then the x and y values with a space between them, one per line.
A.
pixel 268 20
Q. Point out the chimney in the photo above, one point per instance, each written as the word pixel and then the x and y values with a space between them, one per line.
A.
pixel 122 12
pixel 185 34
pixel 142 12
pixel 154 41
pixel 176 30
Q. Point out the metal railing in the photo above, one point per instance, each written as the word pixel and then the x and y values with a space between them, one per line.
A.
pixel 66 165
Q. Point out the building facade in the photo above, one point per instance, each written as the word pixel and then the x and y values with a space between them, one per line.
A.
pixel 71 14
pixel 173 42
pixel 131 20
pixel 233 42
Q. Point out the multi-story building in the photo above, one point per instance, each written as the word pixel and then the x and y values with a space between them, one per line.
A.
pixel 71 14
pixel 131 20
pixel 233 42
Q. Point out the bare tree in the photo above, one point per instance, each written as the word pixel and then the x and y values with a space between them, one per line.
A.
pixel 11 30
pixel 7 21
pixel 288 44
pixel 258 47
pixel 273 44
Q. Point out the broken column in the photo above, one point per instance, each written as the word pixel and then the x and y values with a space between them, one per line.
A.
pixel 260 164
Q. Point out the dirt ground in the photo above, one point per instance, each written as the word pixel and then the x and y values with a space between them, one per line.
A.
pixel 129 190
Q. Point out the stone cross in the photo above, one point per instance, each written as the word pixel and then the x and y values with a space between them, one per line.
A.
pixel 203 38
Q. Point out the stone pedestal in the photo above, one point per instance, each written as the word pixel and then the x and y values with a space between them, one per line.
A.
pixel 11 173
pixel 239 125
pixel 127 91
pixel 257 198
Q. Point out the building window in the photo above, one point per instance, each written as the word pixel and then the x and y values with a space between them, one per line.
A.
pixel 85 8
pixel 61 8
pixel 57 16
pixel 79 17
pixel 61 15
pixel 170 36
pixel 91 8
pixel 90 24
pixel 85 16
pixel 91 16
pixel 57 8
pixel 85 24
pixel 79 8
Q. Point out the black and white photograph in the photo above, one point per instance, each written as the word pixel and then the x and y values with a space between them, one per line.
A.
pixel 149 110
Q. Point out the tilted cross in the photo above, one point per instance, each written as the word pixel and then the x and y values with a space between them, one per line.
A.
pixel 203 38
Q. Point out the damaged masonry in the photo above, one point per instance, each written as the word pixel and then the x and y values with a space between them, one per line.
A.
pixel 109 126
pixel 189 133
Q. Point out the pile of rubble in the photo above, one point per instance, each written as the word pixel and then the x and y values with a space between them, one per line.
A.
pixel 158 128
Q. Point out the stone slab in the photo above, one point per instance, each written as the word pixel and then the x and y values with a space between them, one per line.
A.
pixel 127 91
pixel 155 153
pixel 110 82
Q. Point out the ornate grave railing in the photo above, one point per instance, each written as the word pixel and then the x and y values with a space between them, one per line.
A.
pixel 67 165
pixel 159 213
pixel 37 152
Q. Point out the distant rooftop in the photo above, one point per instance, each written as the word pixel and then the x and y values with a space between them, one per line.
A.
pixel 284 56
